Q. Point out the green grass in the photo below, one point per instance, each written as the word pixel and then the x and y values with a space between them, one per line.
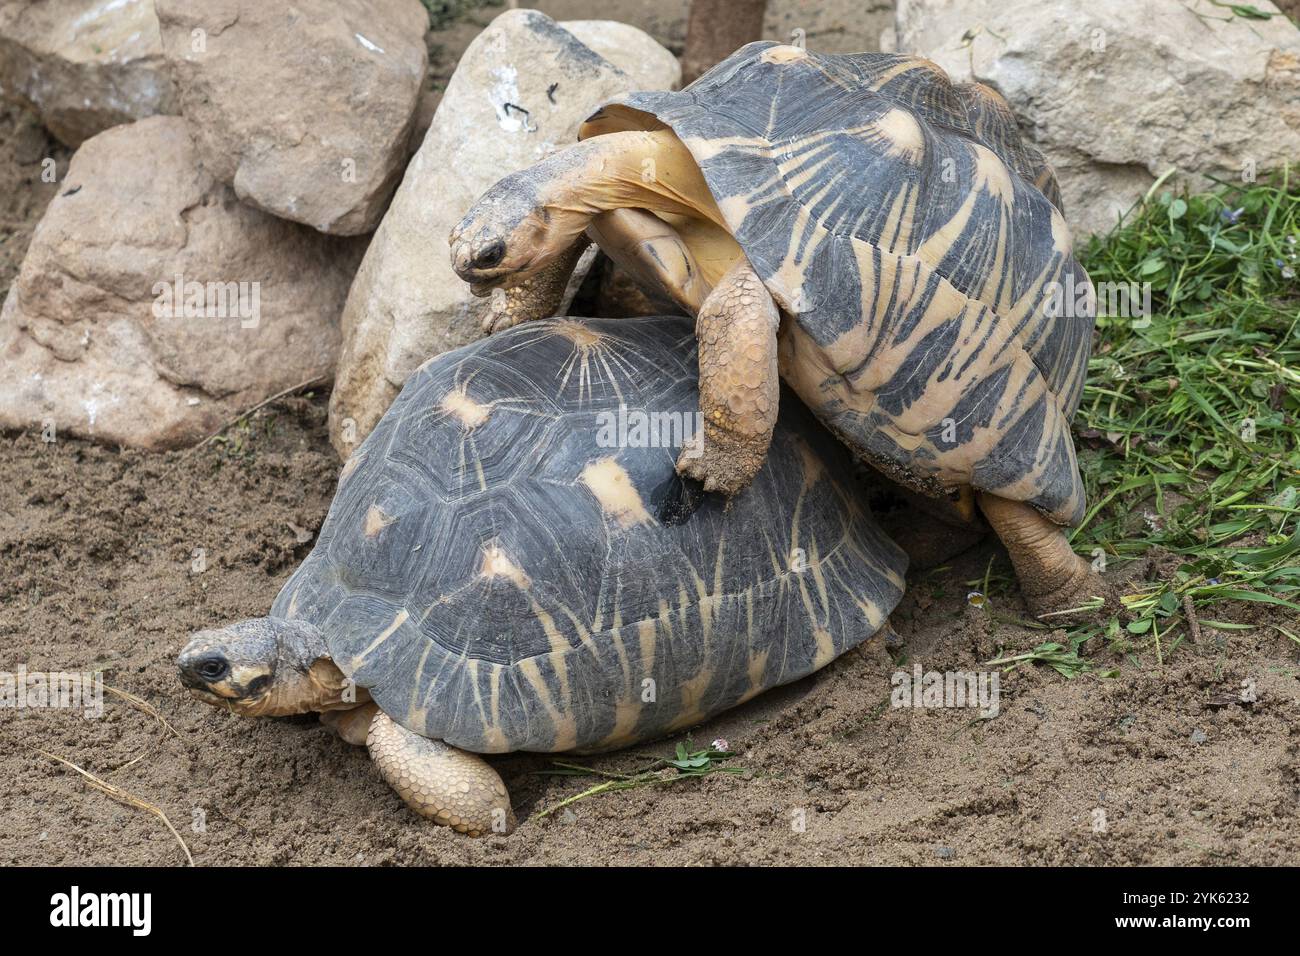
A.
pixel 1187 432
pixel 686 764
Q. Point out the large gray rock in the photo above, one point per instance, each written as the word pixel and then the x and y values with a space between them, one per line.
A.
pixel 83 65
pixel 95 342
pixel 1116 93
pixel 648 65
pixel 829 26
pixel 406 304
pixel 304 108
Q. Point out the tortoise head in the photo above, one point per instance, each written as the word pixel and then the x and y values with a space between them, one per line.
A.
pixel 264 667
pixel 523 222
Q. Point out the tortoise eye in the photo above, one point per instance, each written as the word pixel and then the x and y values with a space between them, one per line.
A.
pixel 213 668
pixel 490 256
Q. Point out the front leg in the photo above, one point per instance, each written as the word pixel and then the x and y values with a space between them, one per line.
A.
pixel 650 250
pixel 740 387
pixel 351 725
pixel 537 297
pixel 449 786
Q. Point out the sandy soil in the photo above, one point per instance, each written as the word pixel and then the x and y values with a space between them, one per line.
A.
pixel 97 549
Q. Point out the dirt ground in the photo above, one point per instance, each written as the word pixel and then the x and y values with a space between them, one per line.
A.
pixel 97 554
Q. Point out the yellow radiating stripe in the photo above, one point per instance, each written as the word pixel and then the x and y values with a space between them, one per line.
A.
pixel 647 632
pixel 559 649
pixel 815 562
pixel 415 707
pixel 627 713
pixel 825 648
pixel 566 730
pixel 493 736
pixel 398 620
pixel 907 66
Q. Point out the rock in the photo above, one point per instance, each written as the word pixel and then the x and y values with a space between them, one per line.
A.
pixel 406 304
pixel 846 26
pixel 92 340
pixel 31 141
pixel 648 65
pixel 829 26
pixel 1199 736
pixel 1113 101
pixel 305 108
pixel 83 66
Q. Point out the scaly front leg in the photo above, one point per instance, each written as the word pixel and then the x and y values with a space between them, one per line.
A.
pixel 740 387
pixel 449 786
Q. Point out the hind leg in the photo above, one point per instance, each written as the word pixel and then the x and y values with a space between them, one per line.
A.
pixel 1052 577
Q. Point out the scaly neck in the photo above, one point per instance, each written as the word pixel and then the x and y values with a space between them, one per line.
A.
pixel 636 169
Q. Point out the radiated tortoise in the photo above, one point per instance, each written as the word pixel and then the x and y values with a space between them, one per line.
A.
pixel 511 562
pixel 882 239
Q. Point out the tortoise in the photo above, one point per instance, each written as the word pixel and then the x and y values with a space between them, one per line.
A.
pixel 880 238
pixel 512 563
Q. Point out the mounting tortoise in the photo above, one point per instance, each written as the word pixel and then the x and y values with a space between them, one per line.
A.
pixel 880 238
pixel 511 562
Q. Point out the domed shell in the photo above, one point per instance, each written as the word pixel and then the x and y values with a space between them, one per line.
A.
pixel 512 563
pixel 918 240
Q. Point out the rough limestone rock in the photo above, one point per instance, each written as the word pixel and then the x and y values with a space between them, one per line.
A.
pixel 83 65
pixel 304 108
pixel 95 341
pixel 1116 93
pixel 648 65
pixel 406 304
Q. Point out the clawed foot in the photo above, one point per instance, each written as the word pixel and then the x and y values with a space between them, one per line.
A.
pixel 1059 586
pixel 719 461
pixel 504 312
pixel 1076 601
